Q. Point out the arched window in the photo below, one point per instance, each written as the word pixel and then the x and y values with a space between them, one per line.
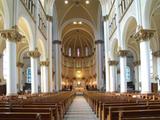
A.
pixel 128 74
pixel 86 51
pixel 28 72
pixel 5 64
pixel 78 52
pixel 70 52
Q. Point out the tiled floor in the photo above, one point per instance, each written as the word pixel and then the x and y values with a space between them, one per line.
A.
pixel 80 110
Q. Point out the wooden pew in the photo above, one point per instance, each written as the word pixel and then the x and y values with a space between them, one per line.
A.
pixel 59 104
pixel 149 114
pixel 24 116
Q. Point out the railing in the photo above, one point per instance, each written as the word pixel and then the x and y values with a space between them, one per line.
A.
pixel 123 7
pixel 112 20
pixel 30 7
pixel 42 20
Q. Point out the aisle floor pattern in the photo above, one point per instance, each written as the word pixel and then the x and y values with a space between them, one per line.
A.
pixel 80 110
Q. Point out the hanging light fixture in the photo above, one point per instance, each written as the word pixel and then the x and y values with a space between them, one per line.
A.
pixel 66 1
pixel 87 2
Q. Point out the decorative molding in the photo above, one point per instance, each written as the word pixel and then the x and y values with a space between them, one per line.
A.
pixel 44 63
pixel 49 18
pixel 105 18
pixel 123 53
pixel 34 54
pixel 137 63
pixel 20 64
pixel 112 62
pixel 156 54
pixel 144 34
pixel 12 34
pixel 99 42
pixel 56 42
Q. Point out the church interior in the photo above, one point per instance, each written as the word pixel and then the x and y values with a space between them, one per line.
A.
pixel 79 59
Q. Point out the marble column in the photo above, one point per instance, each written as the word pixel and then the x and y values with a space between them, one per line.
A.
pixel 99 66
pixel 143 36
pixel 106 48
pixel 157 55
pixel 1 67
pixel 20 82
pixel 11 36
pixel 57 65
pixel 44 76
pixel 49 36
pixel 34 70
pixel 123 64
pixel 137 74
pixel 113 75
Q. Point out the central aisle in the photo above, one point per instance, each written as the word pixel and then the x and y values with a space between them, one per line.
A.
pixel 80 110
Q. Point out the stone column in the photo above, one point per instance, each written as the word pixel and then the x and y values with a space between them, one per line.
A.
pixel 57 65
pixel 20 82
pixel 44 76
pixel 113 75
pixel 50 69
pixel 137 74
pixel 12 36
pixel 123 62
pixel 34 70
pixel 157 55
pixel 99 66
pixel 106 46
pixel 143 36
pixel 1 67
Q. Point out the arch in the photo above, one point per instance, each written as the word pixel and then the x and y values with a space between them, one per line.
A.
pixel 21 52
pixel 41 49
pixel 128 21
pixel 146 15
pixel 113 43
pixel 25 27
pixel 78 19
pixel 5 14
pixel 79 29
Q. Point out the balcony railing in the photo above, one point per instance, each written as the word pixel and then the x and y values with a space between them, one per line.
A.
pixel 30 7
pixel 123 7
pixel 42 20
pixel 112 25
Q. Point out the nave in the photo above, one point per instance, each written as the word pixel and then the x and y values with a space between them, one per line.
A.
pixel 80 110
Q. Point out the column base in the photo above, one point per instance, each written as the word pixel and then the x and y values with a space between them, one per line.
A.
pixel 146 92
pixel 11 94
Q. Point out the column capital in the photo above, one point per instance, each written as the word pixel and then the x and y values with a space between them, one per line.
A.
pixel 144 34
pixel 56 42
pixel 49 18
pixel 112 62
pixel 44 63
pixel 137 63
pixel 35 53
pixel 123 53
pixel 156 54
pixel 12 34
pixel 99 42
pixel 20 64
